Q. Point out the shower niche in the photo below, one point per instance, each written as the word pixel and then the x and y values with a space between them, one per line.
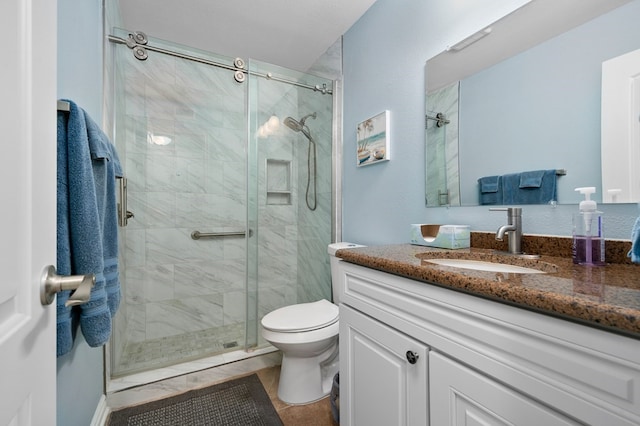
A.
pixel 278 182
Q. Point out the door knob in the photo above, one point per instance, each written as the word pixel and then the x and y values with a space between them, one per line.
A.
pixel 52 283
pixel 412 357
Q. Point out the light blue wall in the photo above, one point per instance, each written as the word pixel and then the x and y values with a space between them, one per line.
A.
pixel 79 373
pixel 384 57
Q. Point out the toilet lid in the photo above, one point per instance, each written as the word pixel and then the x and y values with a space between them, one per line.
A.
pixel 301 317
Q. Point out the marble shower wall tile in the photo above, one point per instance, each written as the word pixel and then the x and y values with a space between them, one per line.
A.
pixel 136 325
pixel 209 277
pixel 156 209
pixel 190 174
pixel 234 304
pixel 134 250
pixel 214 176
pixel 179 316
pixel 190 145
pixel 135 169
pixel 226 144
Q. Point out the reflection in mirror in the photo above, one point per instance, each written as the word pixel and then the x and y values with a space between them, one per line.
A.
pixel 443 177
pixel 536 110
pixel 621 128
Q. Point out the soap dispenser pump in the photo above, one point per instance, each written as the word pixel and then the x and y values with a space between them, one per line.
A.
pixel 588 236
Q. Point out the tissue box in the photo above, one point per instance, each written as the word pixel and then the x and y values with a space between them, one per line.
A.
pixel 442 236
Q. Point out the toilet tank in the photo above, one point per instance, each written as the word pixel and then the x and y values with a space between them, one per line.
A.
pixel 335 283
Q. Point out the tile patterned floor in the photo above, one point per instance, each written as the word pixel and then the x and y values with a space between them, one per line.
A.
pixel 166 351
pixel 316 414
pixel 267 367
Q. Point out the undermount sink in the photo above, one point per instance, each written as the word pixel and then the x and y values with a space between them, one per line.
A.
pixel 488 262
pixel 480 265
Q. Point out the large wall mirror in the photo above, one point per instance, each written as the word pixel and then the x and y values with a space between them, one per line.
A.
pixel 524 94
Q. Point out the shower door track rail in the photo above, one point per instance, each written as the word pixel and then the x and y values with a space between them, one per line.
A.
pixel 131 43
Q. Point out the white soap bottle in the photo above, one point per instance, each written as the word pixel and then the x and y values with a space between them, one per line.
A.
pixel 588 232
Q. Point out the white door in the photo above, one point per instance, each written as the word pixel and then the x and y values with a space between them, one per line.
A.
pixel 27 210
pixel 620 128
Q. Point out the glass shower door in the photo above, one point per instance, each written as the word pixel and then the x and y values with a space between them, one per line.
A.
pixel 181 127
pixel 290 191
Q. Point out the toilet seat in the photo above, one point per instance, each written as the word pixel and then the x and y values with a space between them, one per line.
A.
pixel 301 317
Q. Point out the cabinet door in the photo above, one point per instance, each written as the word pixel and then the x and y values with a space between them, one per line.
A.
pixel 383 374
pixel 461 396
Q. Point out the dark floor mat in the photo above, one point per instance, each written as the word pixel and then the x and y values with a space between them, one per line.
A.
pixel 237 402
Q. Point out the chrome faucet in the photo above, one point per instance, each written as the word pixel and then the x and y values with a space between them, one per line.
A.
pixel 513 227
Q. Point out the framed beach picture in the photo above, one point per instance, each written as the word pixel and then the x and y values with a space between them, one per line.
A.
pixel 373 140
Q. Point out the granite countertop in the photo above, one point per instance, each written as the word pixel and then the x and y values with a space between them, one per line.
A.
pixel 606 297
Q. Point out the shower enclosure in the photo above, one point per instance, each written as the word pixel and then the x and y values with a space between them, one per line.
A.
pixel 221 192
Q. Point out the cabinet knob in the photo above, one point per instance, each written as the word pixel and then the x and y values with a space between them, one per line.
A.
pixel 412 357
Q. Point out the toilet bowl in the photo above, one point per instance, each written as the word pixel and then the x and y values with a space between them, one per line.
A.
pixel 307 335
pixel 306 351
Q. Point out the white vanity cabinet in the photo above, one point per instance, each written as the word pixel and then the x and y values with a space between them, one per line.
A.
pixel 478 361
pixel 387 373
pixel 461 396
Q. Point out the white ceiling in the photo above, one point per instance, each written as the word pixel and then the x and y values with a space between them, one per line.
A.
pixel 289 33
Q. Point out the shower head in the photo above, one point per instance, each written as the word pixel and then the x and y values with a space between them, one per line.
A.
pixel 293 124
pixel 299 126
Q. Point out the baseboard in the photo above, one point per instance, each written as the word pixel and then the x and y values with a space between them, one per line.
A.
pixel 102 413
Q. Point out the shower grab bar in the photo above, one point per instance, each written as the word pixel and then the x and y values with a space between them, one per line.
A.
pixel 196 235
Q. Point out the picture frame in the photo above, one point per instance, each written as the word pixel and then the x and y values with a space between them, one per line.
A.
pixel 372 140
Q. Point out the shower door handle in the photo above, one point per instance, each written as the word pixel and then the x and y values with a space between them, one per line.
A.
pixel 52 283
pixel 123 214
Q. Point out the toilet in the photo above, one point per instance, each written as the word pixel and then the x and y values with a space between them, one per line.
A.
pixel 307 336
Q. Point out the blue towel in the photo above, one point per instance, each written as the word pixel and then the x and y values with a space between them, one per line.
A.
pixel 87 225
pixel 634 253
pixel 63 251
pixel 531 179
pixel 490 190
pixel 533 187
pixel 106 167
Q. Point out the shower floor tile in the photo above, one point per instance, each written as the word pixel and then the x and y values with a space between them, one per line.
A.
pixel 156 353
